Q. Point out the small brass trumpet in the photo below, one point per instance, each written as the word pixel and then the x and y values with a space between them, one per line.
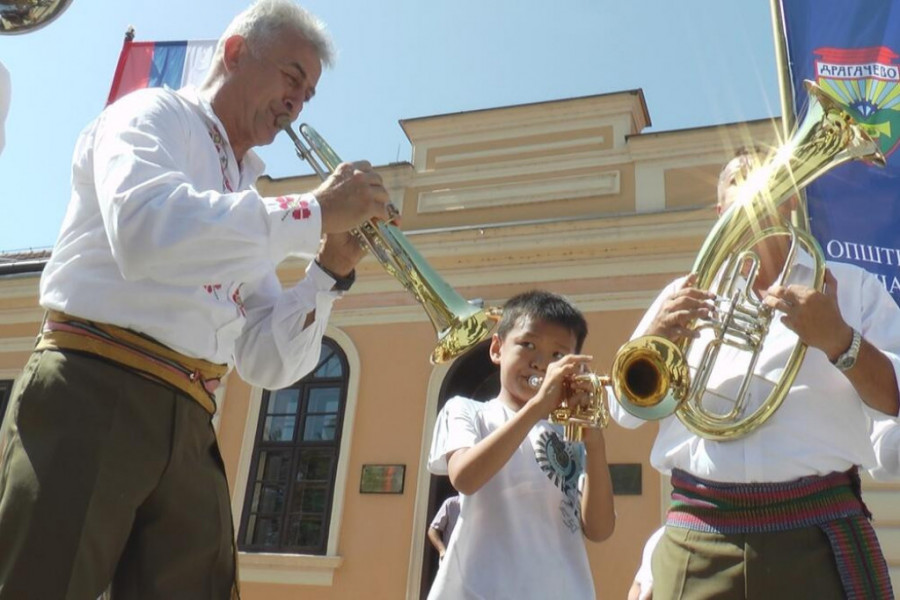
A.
pixel 575 418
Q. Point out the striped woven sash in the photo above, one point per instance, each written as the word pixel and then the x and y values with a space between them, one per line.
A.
pixel 832 502
pixel 195 377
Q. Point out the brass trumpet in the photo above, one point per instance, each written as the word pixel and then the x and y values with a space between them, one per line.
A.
pixel 459 324
pixel 574 418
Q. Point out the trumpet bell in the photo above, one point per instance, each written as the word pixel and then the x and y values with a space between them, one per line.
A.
pixel 465 327
pixel 650 377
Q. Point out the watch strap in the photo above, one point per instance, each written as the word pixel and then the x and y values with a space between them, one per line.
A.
pixel 847 360
pixel 341 284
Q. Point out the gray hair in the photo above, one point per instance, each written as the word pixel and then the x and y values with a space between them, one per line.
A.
pixel 745 160
pixel 266 18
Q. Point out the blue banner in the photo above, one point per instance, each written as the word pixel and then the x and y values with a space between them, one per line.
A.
pixel 851 49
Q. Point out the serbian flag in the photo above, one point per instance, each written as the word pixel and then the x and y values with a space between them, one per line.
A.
pixel 157 64
pixel 852 51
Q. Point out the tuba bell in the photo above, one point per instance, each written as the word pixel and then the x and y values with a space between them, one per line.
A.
pixel 654 377
pixel 576 417
pixel 23 16
pixel 459 324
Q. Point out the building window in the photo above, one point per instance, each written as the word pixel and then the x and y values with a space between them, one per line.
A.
pixel 5 391
pixel 287 507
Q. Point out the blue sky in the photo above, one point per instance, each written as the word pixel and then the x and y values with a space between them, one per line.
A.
pixel 698 62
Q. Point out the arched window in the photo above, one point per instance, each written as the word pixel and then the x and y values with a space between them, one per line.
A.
pixel 287 507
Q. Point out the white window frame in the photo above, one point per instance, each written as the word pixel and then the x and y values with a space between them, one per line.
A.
pixel 300 569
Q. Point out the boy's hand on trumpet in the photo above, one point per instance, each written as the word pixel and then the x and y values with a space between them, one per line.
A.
pixel 557 382
pixel 352 194
pixel 578 392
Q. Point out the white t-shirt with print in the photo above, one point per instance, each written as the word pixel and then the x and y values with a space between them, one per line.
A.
pixel 519 536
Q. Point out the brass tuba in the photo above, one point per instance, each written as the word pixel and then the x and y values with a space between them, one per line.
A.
pixel 459 325
pixel 654 377
pixel 576 417
pixel 23 16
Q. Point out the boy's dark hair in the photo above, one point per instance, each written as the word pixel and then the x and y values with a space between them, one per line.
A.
pixel 546 306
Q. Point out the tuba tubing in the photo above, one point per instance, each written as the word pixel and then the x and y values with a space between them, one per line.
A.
pixel 459 324
pixel 651 375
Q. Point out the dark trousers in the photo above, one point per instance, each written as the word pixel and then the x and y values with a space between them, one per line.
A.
pixel 109 477
pixel 788 565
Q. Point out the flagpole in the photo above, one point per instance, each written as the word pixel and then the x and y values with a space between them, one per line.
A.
pixel 785 89
pixel 786 93
pixel 120 66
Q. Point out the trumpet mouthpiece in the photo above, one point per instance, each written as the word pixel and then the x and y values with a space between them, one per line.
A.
pixel 284 122
pixel 535 381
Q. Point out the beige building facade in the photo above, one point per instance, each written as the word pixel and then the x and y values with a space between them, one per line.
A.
pixel 330 493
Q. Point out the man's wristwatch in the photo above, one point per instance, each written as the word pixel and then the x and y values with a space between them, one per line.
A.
pixel 341 284
pixel 845 361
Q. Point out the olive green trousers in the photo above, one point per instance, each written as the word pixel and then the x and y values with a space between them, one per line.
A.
pixel 784 565
pixel 109 478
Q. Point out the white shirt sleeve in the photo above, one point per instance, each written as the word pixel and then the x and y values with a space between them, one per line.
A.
pixel 164 225
pixel 274 350
pixel 439 521
pixel 886 442
pixel 879 320
pixel 456 427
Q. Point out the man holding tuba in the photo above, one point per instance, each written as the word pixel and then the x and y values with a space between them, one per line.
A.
pixel 162 278
pixel 777 513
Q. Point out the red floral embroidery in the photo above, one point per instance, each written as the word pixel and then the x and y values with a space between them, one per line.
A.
pixel 213 289
pixel 299 208
pixel 238 301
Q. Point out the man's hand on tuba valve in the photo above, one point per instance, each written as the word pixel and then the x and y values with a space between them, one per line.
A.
pixel 813 315
pixel 683 307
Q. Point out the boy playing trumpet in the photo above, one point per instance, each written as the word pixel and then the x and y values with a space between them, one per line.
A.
pixel 523 513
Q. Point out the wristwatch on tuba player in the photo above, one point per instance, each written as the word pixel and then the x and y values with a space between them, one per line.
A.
pixel 845 361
